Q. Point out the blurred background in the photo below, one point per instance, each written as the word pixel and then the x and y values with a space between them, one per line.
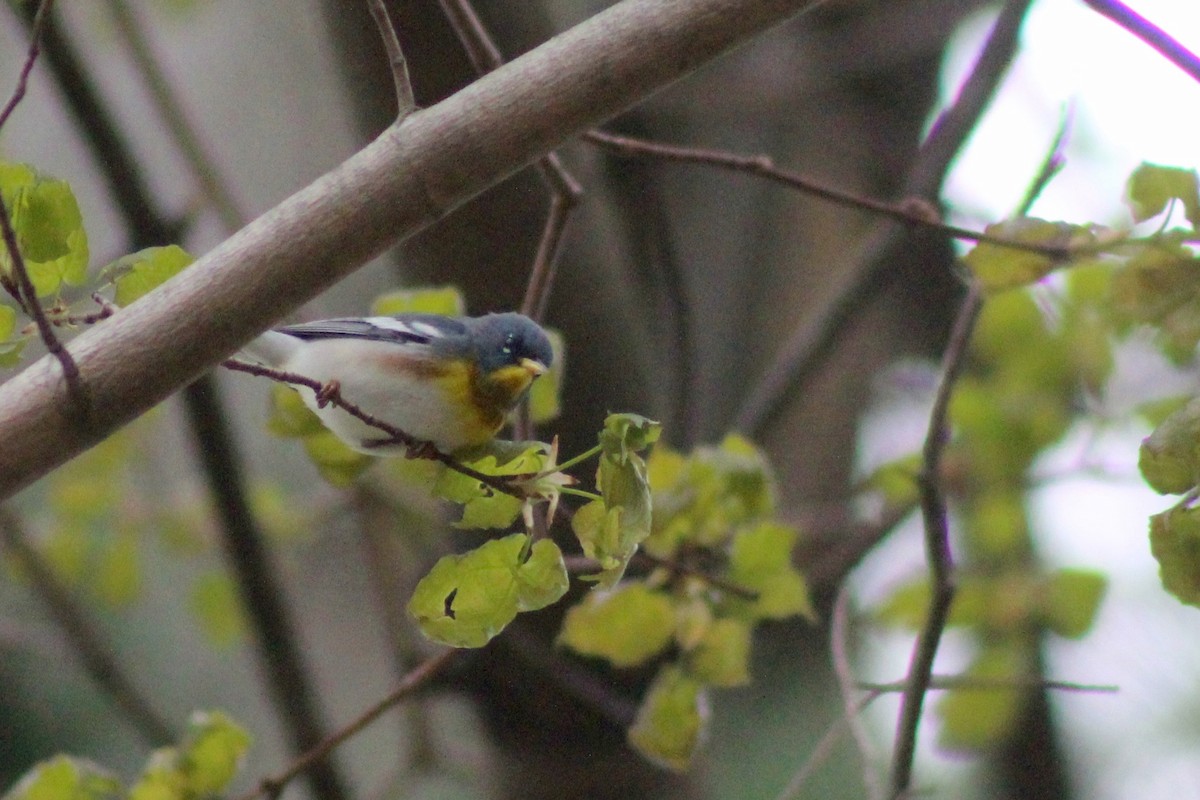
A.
pixel 680 291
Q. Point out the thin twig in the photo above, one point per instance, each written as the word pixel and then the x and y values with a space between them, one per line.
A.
pixel 83 635
pixel 405 101
pixel 1149 33
pixel 500 483
pixel 23 291
pixel 824 748
pixel 839 640
pixel 915 214
pixel 203 168
pixel 948 683
pixel 937 545
pixel 565 191
pixel 815 336
pixel 413 682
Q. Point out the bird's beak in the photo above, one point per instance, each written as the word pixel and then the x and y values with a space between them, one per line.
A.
pixel 533 367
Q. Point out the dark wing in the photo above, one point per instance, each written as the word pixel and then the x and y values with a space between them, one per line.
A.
pixel 419 329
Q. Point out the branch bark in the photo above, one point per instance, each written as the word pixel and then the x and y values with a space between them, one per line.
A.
pixel 416 172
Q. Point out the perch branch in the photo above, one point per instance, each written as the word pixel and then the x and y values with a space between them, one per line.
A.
pixel 415 173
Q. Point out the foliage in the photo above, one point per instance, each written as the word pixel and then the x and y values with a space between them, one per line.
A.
pixel 200 766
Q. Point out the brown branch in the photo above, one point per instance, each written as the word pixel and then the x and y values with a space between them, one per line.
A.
pixel 23 289
pixel 937 546
pixel 839 640
pixel 1149 33
pixel 82 634
pixel 911 213
pixel 416 447
pixel 565 191
pixel 401 183
pixel 405 101
pixel 413 682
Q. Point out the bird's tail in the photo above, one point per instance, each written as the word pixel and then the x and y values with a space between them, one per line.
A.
pixel 271 348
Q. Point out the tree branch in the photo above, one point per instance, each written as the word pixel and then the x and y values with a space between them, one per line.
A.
pixel 1149 33
pixel 937 546
pixel 405 102
pixel 416 172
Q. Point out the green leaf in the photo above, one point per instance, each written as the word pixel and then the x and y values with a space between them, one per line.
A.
pixel 8 322
pixel 626 434
pixel 1169 458
pixel 161 778
pixel 998 267
pixel 722 658
pixel 117 572
pixel 49 228
pixel 483 506
pixel 215 603
pixel 1071 601
pixel 672 720
pixel 627 626
pixel 65 778
pixel 976 719
pixel 1151 187
pixel 212 752
pixel 546 391
pixel 760 559
pixel 336 463
pixel 445 300
pixel 465 600
pixel 1175 543
pixel 542 579
pixel 137 274
pixel 628 515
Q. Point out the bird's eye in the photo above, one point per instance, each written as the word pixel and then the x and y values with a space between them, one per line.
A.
pixel 507 349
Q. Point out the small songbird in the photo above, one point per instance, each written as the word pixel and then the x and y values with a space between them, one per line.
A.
pixel 448 381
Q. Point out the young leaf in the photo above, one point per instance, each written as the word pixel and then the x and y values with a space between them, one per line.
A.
pixel 626 434
pixel 722 658
pixel 1072 599
pixel 672 719
pixel 218 609
pixel 445 300
pixel 65 778
pixel 1169 458
pixel 760 560
pixel 998 267
pixel 50 234
pixel 136 274
pixel 545 393
pixel 1151 187
pixel 467 599
pixel 1175 543
pixel 627 626
pixel 483 506
pixel 211 752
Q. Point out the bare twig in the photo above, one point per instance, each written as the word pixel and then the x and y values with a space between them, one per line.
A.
pixel 815 336
pixel 204 169
pixel 948 683
pixel 910 213
pixel 824 748
pixel 22 287
pixel 1149 33
pixel 565 191
pixel 839 639
pixel 937 546
pixel 413 682
pixel 82 634
pixel 500 483
pixel 405 101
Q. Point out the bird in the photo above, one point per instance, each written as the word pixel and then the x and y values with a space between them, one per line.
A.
pixel 446 382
